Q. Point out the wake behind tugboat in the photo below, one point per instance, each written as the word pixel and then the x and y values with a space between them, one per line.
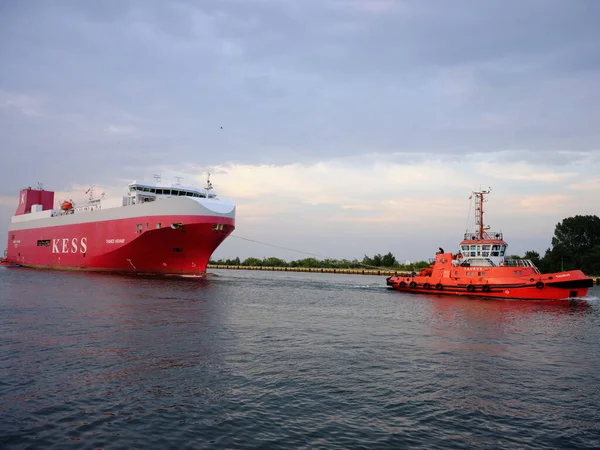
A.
pixel 480 269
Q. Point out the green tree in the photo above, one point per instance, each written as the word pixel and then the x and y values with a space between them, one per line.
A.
pixel 533 256
pixel 252 262
pixel 389 260
pixel 378 260
pixel 309 262
pixel 578 234
pixel 274 262
pixel 575 243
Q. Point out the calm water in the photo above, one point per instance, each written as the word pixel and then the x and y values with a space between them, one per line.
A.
pixel 289 360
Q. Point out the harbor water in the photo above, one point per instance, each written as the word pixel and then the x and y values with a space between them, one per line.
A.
pixel 250 359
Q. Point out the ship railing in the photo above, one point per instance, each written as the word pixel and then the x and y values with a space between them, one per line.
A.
pixel 518 263
pixel 486 235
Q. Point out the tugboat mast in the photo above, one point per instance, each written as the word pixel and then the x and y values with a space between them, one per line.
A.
pixel 479 199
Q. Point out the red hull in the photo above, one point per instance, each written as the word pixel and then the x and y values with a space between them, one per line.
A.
pixel 120 246
pixel 524 283
pixel 505 291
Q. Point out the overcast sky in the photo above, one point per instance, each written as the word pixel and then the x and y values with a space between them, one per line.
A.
pixel 349 127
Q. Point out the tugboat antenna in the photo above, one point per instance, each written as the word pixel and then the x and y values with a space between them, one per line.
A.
pixel 479 199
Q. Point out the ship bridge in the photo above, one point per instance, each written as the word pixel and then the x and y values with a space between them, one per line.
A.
pixel 149 191
pixel 490 244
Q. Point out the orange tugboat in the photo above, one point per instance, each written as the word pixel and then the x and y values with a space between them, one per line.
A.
pixel 481 270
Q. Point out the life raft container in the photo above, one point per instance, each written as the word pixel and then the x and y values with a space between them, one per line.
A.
pixel 66 205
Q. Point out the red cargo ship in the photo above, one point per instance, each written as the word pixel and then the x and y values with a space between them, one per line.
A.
pixel 155 229
pixel 480 269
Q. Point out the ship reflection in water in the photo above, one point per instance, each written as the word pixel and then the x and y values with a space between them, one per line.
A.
pixel 246 359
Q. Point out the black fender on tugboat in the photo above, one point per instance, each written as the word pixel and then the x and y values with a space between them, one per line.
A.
pixel 426 286
pixel 485 288
pixel 402 284
pixel 470 288
pixel 412 285
pixel 539 285
pixel 439 286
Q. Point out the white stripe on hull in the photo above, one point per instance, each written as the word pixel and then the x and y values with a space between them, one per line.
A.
pixel 160 207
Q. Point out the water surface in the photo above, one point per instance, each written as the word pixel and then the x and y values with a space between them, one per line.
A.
pixel 250 359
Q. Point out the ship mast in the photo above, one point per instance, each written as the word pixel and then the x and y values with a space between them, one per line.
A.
pixel 479 199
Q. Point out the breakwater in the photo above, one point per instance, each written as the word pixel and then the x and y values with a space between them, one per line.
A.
pixel 386 272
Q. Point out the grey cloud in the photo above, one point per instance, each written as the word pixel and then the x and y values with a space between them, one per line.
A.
pixel 292 81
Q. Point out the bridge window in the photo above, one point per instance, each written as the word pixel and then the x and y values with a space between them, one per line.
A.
pixel 43 243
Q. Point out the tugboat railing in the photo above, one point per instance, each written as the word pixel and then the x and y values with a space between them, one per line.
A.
pixel 494 235
pixel 518 263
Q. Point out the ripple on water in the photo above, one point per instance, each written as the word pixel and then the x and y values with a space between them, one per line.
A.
pixel 284 360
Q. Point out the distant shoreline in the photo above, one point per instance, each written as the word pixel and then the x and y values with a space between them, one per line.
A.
pixel 307 269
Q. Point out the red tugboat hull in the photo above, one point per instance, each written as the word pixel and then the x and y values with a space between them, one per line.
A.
pixel 480 269
pixel 556 286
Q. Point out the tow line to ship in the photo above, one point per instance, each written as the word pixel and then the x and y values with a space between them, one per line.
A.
pixel 300 251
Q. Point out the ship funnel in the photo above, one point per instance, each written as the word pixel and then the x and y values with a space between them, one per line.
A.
pixel 29 197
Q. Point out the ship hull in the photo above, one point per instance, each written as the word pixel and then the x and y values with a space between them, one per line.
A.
pixel 144 241
pixel 564 285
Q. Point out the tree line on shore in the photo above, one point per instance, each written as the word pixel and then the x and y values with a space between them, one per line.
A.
pixel 575 245
pixel 377 261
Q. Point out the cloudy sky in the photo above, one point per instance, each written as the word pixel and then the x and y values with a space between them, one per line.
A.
pixel 349 127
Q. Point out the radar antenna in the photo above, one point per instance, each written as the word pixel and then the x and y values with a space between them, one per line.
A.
pixel 209 185
pixel 156 178
pixel 179 180
pixel 479 200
